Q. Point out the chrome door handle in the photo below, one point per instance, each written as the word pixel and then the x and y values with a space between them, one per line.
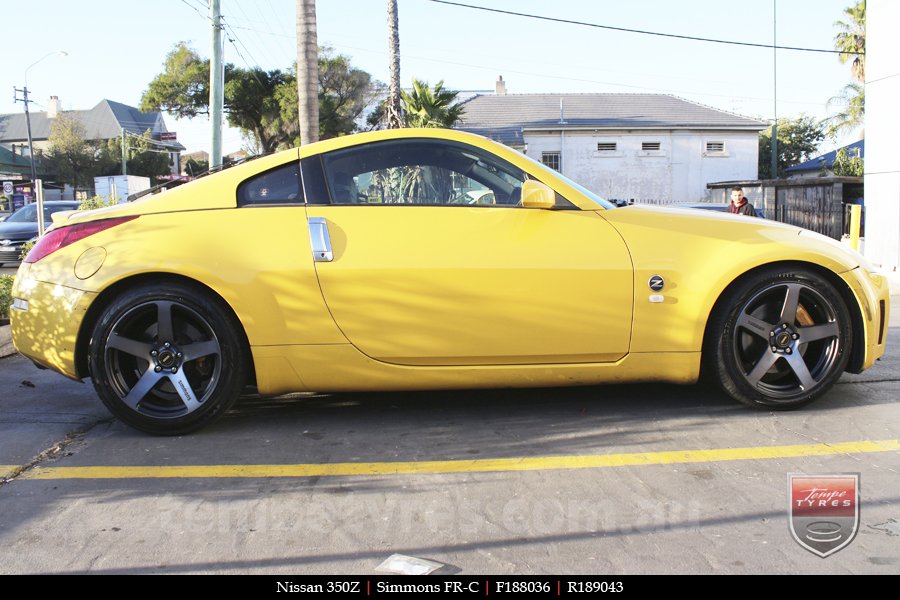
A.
pixel 321 242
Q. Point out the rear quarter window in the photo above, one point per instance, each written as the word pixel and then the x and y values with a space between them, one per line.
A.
pixel 277 186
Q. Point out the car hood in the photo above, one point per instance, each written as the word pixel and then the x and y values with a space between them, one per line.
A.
pixel 17 230
pixel 702 237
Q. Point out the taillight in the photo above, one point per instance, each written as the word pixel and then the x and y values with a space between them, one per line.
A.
pixel 62 237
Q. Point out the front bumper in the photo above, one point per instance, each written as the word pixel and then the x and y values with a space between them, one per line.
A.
pixel 873 295
pixel 46 319
pixel 10 252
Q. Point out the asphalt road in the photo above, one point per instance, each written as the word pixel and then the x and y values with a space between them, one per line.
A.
pixel 600 480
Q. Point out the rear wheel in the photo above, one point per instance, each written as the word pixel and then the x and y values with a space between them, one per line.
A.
pixel 781 339
pixel 167 359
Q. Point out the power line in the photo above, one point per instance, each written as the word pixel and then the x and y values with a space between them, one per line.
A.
pixel 194 8
pixel 643 32
pixel 654 89
pixel 226 27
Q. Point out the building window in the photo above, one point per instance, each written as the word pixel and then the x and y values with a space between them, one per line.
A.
pixel 551 159
pixel 715 147
pixel 606 147
pixel 650 146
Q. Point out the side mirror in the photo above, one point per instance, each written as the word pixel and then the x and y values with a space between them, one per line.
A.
pixel 537 195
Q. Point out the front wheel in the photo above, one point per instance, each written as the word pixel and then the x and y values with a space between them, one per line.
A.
pixel 167 359
pixel 781 339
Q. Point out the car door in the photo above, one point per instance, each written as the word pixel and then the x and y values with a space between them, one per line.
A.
pixel 415 273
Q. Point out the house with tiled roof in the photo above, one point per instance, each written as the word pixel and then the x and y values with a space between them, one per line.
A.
pixel 105 121
pixel 649 148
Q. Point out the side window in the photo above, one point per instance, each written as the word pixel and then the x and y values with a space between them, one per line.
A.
pixel 423 172
pixel 280 185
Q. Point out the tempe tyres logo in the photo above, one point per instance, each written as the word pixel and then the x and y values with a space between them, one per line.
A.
pixel 824 511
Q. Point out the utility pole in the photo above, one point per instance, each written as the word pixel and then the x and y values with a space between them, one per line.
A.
pixel 774 145
pixel 28 124
pixel 124 152
pixel 216 85
pixel 25 99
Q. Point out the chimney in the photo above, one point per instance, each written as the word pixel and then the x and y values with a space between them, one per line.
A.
pixel 53 107
pixel 500 86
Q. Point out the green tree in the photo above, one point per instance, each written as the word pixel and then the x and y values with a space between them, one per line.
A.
pixel 851 42
pixel 145 157
pixel 852 112
pixel 344 94
pixel 182 89
pixel 427 107
pixel 798 140
pixel 264 105
pixel 252 104
pixel 195 167
pixel 71 157
pixel 848 165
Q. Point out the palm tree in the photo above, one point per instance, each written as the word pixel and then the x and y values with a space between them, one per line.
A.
pixel 307 71
pixel 393 105
pixel 851 41
pixel 427 107
pixel 853 112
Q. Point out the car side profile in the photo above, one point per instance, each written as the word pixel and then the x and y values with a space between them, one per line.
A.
pixel 359 263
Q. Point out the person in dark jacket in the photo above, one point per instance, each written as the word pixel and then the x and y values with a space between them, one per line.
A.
pixel 739 204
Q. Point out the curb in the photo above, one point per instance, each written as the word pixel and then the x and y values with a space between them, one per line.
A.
pixel 6 345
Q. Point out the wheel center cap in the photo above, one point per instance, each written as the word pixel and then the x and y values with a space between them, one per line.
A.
pixel 166 359
pixel 783 339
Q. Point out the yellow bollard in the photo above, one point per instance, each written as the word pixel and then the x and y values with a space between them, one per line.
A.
pixel 855 214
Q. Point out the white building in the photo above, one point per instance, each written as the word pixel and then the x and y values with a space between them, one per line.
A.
pixel 882 132
pixel 107 120
pixel 650 148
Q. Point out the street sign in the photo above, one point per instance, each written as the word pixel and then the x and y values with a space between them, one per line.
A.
pixel 168 136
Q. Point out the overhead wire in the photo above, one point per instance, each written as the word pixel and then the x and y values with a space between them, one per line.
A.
pixel 640 31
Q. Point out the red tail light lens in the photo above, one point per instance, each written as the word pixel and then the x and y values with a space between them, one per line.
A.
pixel 62 237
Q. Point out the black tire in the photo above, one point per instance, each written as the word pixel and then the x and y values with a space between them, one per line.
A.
pixel 779 339
pixel 167 359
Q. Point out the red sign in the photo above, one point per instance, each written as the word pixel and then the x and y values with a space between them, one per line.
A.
pixel 824 511
pixel 168 136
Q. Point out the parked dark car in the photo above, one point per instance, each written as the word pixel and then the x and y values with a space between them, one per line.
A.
pixel 21 226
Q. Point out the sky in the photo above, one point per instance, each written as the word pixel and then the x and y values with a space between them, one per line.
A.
pixel 115 48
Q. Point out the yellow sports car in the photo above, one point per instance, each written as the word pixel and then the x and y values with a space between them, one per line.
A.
pixel 351 264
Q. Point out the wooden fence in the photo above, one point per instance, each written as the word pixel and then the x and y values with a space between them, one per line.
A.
pixel 819 204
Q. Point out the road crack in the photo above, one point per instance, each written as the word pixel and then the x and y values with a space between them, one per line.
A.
pixel 54 452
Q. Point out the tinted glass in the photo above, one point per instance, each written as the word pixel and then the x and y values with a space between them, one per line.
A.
pixel 429 172
pixel 277 186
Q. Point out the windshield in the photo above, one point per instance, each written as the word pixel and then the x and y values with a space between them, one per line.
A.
pixel 28 213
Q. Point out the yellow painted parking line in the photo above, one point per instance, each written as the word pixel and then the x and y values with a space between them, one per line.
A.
pixel 542 463
pixel 6 470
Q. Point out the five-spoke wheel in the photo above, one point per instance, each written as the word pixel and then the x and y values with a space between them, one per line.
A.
pixel 781 339
pixel 167 359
